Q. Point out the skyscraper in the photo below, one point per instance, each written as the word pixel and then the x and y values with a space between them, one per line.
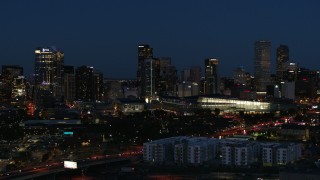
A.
pixel 239 75
pixel 89 84
pixel 98 85
pixel 144 52
pixel 12 85
pixel 185 75
pixel 84 83
pixel 211 76
pixel 69 83
pixel 195 74
pixel 12 70
pixel 262 51
pixel 282 59
pixel 48 69
pixel 148 78
pixel 166 82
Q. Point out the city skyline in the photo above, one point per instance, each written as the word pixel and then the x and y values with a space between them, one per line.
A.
pixel 159 89
pixel 100 34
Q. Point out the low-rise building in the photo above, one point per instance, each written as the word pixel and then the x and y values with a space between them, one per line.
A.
pixel 201 150
pixel 288 153
pixel 184 150
pixel 238 153
pixel 129 106
pixel 161 150
pixel 295 131
pixel 269 153
pixel 280 153
pixel 233 152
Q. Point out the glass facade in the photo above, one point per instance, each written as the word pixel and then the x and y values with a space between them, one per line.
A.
pixel 262 61
pixel 49 69
pixel 211 76
pixel 233 104
pixel 282 58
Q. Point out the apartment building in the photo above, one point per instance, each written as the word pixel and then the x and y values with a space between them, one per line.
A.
pixel 280 153
pixel 233 152
pixel 161 150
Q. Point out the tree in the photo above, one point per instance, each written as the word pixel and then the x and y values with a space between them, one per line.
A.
pixel 216 111
pixel 292 111
pixel 46 157
pixel 202 112
pixel 241 114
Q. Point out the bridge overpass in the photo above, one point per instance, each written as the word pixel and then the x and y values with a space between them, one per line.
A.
pixel 58 167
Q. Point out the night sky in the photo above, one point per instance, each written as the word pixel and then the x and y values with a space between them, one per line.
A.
pixel 105 34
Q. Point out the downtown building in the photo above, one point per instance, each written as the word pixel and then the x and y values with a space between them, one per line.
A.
pixel 211 84
pixel 149 78
pixel 89 84
pixel 12 86
pixel 242 86
pixel 282 59
pixel 262 61
pixel 307 84
pixel 145 58
pixel 227 104
pixel 167 78
pixel 155 76
pixel 48 76
pixel 286 73
pixel 288 80
pixel 69 84
pixel 189 84
pixel 120 88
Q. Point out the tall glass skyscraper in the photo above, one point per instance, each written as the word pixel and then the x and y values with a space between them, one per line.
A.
pixel 69 84
pixel 282 59
pixel 262 60
pixel 48 69
pixel 89 84
pixel 84 83
pixel 144 52
pixel 211 76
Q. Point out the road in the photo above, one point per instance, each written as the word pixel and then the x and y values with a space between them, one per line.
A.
pixel 243 130
pixel 57 167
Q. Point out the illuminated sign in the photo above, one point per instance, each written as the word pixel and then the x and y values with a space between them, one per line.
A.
pixel 68 133
pixel 45 50
pixel 70 164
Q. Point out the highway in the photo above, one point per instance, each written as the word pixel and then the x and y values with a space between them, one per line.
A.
pixel 243 130
pixel 57 167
